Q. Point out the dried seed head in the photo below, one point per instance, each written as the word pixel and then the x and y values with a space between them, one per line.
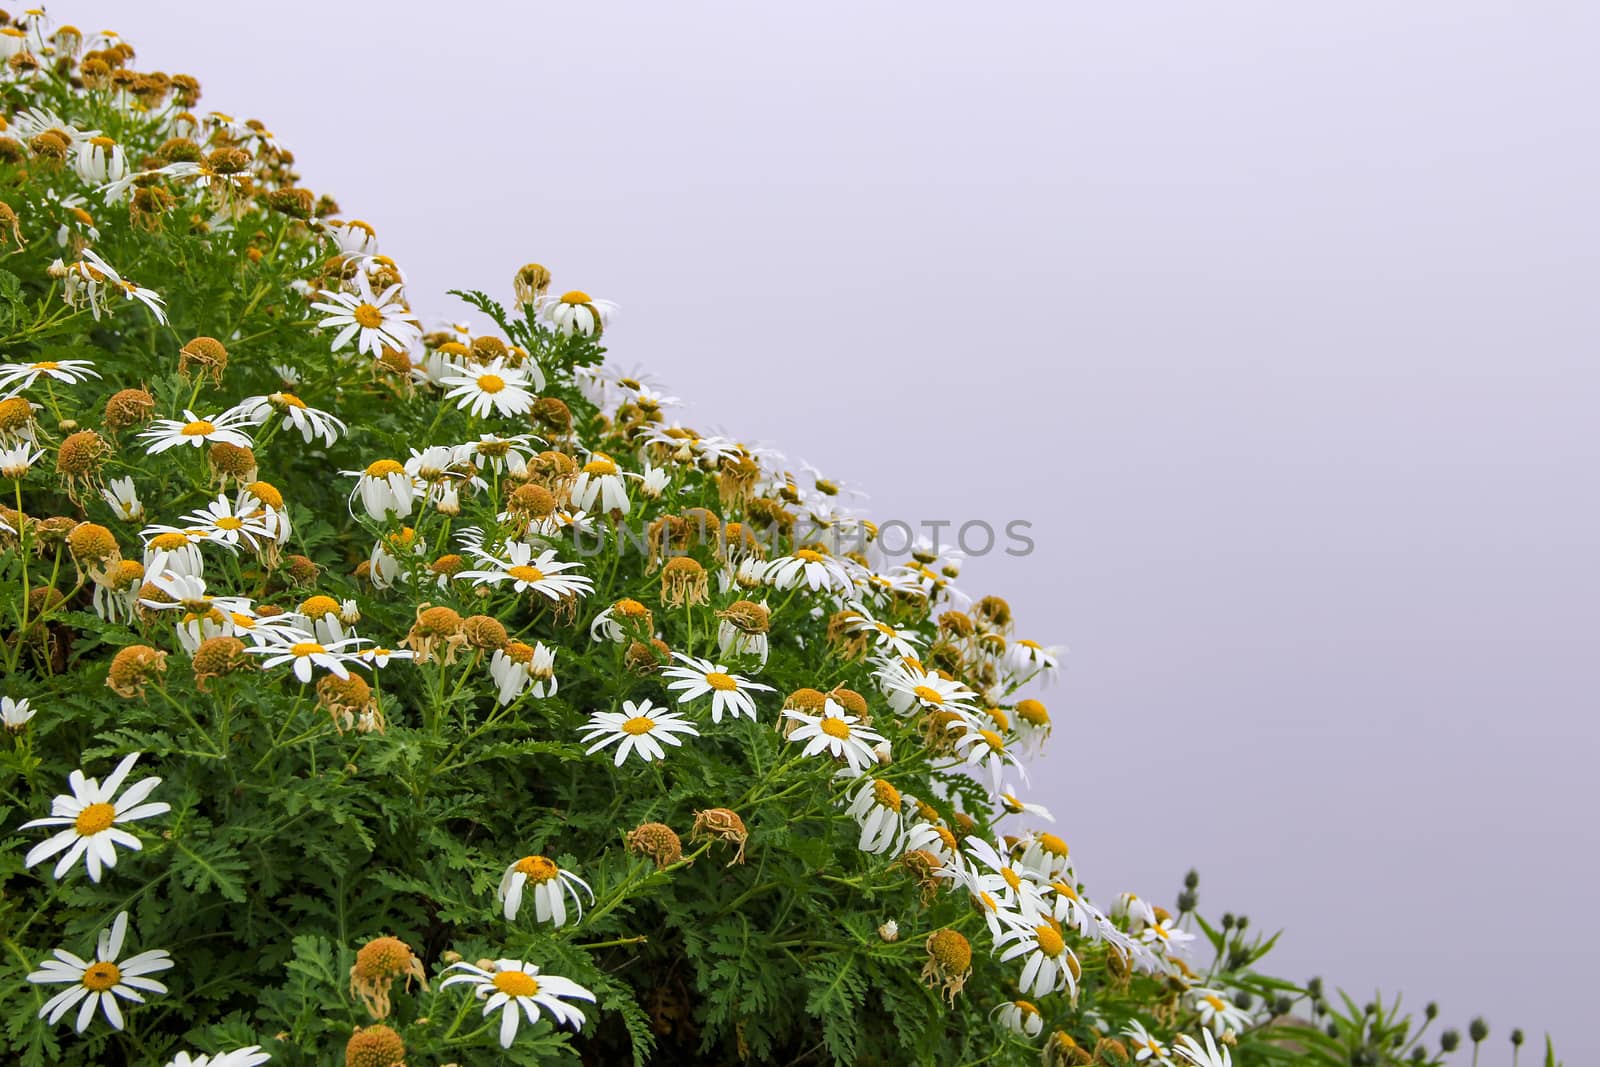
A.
pixel 484 631
pixel 723 824
pixel 531 282
pixel 647 657
pixel 435 627
pixel 949 962
pixel 133 667
pixel 378 963
pixel 488 349
pixel 448 565
pixel 851 701
pixel 810 701
pixel 747 616
pixel 684 581
pixel 296 203
pixel 16 413
pixel 94 547
pixel 232 461
pixel 375 1046
pixel 534 501
pixel 129 407
pixel 994 610
pixel 658 841
pixel 301 570
pixel 229 160
pixel 81 454
pixel 551 413
pixel 351 702
pixel 207 355
pixel 216 657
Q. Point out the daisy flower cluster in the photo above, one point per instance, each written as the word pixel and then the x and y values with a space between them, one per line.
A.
pixel 435 694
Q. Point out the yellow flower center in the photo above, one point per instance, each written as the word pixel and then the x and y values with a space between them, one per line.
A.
pixel 537 868
pixel 1053 845
pixel 101 976
pixel 198 428
pixel 94 819
pixel 229 522
pixel 288 400
pixel 575 296
pixel 886 795
pixel 491 383
pixel 1215 1002
pixel 368 317
pixel 639 724
pixel 834 727
pixel 600 465
pixel 48 364
pixel 306 648
pixel 809 555
pixel 721 682
pixel 995 741
pixel 1011 878
pixel 516 983
pixel 1065 890
pixel 166 542
pixel 383 468
pixel 929 695
pixel 524 573
pixel 1050 942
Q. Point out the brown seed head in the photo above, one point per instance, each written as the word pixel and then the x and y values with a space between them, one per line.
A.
pixel 129 407
pixel 658 841
pixel 133 667
pixel 375 1046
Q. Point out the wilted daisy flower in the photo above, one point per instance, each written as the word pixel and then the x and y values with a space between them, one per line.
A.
pixel 249 1056
pixel 551 886
pixel 15 713
pixel 18 376
pixel 600 482
pixel 121 496
pixel 836 732
pixel 730 693
pixel 311 423
pixel 543 573
pixel 515 988
pixel 385 489
pixel 497 386
pixel 1021 1017
pixel 743 628
pixel 1026 658
pixel 382 321
pixel 577 312
pixel 641 728
pixel 99 983
pixel 93 816
pixel 194 431
pixel 519 667
pixel 877 808
pixel 1209 1056
pixel 17 460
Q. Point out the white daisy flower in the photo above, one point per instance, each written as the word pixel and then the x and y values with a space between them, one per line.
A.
pixel 380 657
pixel 121 496
pixel 1025 658
pixel 382 321
pixel 250 1056
pixel 497 386
pixel 385 488
pixel 577 312
pixel 838 733
pixel 203 617
pixel 730 693
pixel 641 727
pixel 887 638
pixel 908 687
pixel 94 815
pixel 224 524
pixel 542 574
pixel 815 570
pixel 194 431
pixel 19 376
pixel 1166 937
pixel 1021 1017
pixel 1050 965
pixel 1217 1012
pixel 1018 887
pixel 496 453
pixel 600 482
pixel 985 749
pixel 15 713
pixel 99 983
pixel 654 481
pixel 311 423
pixel 1046 855
pixel 1145 1045
pixel 551 887
pixel 877 808
pixel 304 651
pixel 100 160
pixel 1209 1056
pixel 515 988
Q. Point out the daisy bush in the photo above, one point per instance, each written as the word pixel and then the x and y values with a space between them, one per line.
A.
pixel 381 690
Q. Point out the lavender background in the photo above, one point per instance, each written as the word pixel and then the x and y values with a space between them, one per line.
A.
pixel 1276 320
